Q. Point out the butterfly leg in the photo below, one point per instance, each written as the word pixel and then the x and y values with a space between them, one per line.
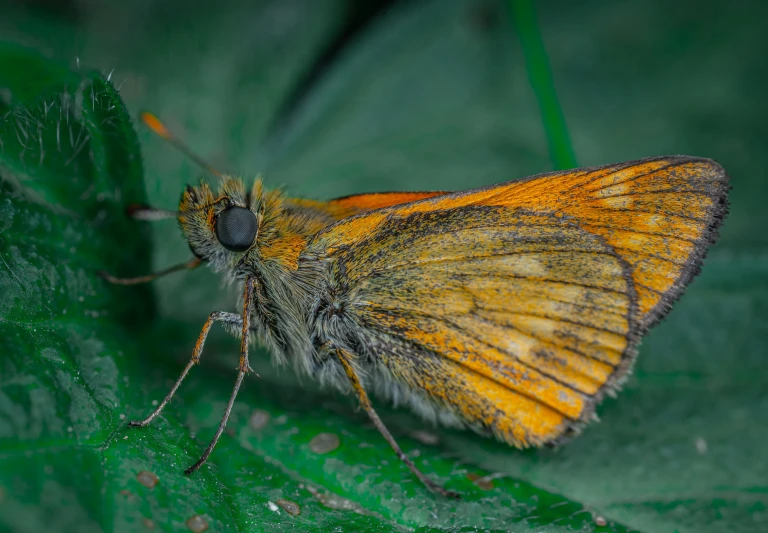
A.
pixel 218 316
pixel 345 358
pixel 243 369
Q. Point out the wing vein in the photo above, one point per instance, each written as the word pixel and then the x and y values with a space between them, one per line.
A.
pixel 575 284
pixel 608 310
pixel 399 266
pixel 646 254
pixel 558 319
pixel 651 289
pixel 617 168
pixel 645 211
pixel 490 376
pixel 633 178
pixel 659 191
pixel 652 234
pixel 551 342
pixel 602 309
pixel 457 327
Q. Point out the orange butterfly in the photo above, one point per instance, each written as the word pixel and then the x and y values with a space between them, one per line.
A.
pixel 510 309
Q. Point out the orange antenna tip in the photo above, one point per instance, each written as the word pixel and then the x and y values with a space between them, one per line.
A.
pixel 155 125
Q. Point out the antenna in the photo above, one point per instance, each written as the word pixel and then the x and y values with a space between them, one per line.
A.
pixel 156 125
pixel 145 212
pixel 189 265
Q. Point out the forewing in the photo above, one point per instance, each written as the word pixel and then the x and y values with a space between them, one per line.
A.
pixel 516 321
pixel 659 214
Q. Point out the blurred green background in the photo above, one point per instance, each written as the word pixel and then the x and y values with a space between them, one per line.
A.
pixel 327 98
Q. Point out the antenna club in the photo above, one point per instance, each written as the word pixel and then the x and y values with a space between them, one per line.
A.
pixel 155 125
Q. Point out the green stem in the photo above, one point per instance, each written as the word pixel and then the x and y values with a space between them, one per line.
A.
pixel 540 77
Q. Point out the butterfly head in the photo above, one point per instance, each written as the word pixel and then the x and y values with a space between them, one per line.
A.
pixel 222 228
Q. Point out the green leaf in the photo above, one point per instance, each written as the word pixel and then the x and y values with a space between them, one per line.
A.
pixel 431 95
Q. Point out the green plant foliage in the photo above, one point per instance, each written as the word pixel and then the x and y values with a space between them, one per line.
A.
pixel 432 95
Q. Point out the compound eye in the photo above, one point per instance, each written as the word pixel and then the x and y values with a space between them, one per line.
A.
pixel 236 228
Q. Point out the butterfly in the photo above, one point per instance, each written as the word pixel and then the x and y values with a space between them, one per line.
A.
pixel 511 309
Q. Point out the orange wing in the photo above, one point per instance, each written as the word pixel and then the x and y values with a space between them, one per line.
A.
pixel 348 206
pixel 517 306
pixel 660 214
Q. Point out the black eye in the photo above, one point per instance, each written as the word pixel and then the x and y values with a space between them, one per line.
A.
pixel 236 229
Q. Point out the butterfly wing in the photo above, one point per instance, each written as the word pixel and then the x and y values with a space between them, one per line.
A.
pixel 347 206
pixel 517 306
pixel 660 214
pixel 513 320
